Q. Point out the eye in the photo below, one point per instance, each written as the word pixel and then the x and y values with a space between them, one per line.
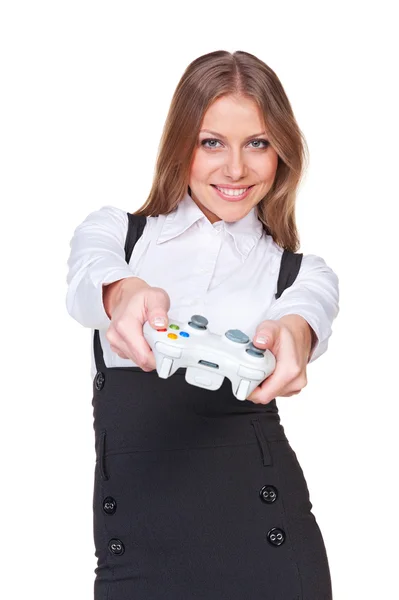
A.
pixel 204 142
pixel 266 142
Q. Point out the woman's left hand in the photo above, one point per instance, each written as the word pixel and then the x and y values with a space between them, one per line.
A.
pixel 290 340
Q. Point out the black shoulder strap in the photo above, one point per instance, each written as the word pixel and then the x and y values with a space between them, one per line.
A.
pixel 289 268
pixel 135 229
pixel 136 224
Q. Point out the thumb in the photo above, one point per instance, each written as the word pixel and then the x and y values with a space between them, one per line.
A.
pixel 158 304
pixel 266 335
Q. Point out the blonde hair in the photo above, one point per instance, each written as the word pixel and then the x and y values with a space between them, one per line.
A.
pixel 206 79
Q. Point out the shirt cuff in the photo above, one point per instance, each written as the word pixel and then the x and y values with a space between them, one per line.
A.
pixel 85 302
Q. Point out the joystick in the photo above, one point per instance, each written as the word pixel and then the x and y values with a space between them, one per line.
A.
pixel 207 357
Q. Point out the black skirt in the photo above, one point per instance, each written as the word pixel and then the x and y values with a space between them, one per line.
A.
pixel 198 495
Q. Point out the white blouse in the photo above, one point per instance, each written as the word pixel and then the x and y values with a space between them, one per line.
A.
pixel 226 272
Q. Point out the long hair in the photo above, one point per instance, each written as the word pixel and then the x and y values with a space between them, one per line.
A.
pixel 206 79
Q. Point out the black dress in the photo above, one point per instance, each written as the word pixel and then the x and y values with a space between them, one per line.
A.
pixel 198 495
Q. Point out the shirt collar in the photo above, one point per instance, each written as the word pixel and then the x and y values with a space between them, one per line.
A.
pixel 245 232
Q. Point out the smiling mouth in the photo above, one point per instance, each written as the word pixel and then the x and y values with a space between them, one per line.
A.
pixel 232 197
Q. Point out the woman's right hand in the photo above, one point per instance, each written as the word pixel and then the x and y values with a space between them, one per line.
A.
pixel 130 302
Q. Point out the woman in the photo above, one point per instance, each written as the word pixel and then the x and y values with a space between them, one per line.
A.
pixel 198 495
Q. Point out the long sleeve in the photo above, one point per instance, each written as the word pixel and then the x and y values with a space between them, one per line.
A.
pixel 314 295
pixel 97 257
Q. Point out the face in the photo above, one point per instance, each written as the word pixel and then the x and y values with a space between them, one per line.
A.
pixel 232 151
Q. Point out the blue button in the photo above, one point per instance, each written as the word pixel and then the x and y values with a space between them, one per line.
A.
pixel 184 334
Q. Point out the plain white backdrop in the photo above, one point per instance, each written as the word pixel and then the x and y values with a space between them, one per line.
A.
pixel 86 87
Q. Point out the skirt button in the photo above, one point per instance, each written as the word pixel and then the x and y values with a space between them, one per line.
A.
pixel 268 494
pixel 115 546
pixel 99 381
pixel 276 536
pixel 109 505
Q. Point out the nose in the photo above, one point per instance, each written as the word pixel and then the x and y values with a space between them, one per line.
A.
pixel 235 165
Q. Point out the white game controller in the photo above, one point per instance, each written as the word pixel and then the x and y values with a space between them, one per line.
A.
pixel 209 358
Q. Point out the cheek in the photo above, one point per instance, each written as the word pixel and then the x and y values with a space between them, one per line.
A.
pixel 200 166
pixel 267 167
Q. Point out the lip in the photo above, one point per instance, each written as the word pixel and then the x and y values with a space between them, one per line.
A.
pixel 231 187
pixel 232 198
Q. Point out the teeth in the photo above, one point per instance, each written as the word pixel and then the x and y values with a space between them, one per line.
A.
pixel 230 192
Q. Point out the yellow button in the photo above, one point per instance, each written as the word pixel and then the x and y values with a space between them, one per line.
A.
pixel 172 336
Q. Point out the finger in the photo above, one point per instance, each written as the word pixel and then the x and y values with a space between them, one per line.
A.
pixel 121 349
pixel 137 345
pixel 118 351
pixel 264 394
pixel 129 338
pixel 123 352
pixel 282 380
pixel 269 388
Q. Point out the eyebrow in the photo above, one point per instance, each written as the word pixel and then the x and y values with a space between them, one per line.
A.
pixel 223 137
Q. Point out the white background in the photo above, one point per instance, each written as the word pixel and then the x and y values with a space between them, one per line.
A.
pixel 85 91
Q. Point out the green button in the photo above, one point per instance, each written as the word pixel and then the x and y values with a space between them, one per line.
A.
pixel 172 326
